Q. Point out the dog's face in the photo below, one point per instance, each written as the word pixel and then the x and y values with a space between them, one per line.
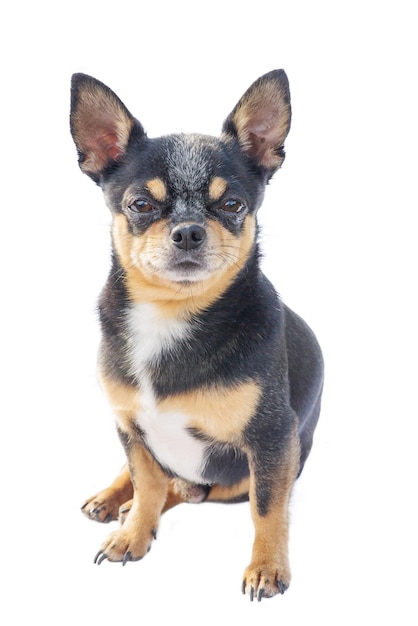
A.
pixel 184 206
pixel 181 214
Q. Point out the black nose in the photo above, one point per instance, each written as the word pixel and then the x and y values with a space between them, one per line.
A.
pixel 188 236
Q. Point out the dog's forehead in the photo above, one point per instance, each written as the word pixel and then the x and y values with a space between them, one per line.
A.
pixel 190 161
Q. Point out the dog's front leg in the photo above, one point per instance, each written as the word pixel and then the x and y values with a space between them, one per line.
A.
pixel 271 481
pixel 133 540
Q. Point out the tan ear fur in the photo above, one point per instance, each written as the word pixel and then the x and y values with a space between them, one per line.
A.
pixel 261 120
pixel 100 124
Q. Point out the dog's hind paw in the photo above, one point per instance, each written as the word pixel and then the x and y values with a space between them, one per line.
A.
pixel 123 511
pixel 103 507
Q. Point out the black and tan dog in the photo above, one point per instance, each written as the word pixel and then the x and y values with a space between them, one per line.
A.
pixel 215 383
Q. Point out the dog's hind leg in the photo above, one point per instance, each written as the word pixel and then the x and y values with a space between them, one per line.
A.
pixel 178 491
pixel 115 501
pixel 181 491
pixel 105 505
pixel 230 495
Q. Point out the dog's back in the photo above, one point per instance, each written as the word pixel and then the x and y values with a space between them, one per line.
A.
pixel 306 374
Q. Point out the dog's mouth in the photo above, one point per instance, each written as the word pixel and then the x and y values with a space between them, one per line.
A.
pixel 188 271
pixel 188 266
pixel 174 266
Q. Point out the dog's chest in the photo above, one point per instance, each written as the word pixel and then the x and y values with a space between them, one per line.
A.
pixel 165 432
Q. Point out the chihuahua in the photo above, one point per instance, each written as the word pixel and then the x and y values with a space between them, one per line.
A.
pixel 215 383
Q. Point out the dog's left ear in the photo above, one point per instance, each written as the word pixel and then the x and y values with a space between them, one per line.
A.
pixel 261 120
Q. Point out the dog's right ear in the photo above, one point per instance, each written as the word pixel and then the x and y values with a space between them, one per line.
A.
pixel 100 124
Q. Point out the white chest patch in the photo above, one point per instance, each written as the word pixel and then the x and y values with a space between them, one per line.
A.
pixel 165 432
pixel 150 334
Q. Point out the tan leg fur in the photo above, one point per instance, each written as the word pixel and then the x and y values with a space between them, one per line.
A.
pixel 269 571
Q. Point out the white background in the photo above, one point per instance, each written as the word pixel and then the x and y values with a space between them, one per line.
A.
pixel 339 238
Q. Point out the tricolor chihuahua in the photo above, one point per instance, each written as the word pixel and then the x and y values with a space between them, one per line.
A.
pixel 214 382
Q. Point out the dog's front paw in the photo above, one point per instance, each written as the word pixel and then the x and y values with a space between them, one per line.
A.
pixel 265 580
pixel 126 544
pixel 103 507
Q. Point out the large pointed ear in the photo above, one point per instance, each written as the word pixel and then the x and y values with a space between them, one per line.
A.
pixel 100 124
pixel 261 120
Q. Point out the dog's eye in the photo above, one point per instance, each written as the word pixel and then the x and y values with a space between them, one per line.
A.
pixel 141 206
pixel 232 206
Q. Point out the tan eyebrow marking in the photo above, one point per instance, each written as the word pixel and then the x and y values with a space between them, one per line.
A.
pixel 217 188
pixel 157 188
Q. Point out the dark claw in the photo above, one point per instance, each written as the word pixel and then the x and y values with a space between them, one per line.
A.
pixel 108 518
pixel 252 594
pixel 84 505
pixel 282 587
pixel 126 557
pixel 260 594
pixel 100 557
pixel 243 587
pixel 154 533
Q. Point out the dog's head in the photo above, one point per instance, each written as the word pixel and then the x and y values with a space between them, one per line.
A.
pixel 184 206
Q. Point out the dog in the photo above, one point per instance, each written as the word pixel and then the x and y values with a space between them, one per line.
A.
pixel 215 383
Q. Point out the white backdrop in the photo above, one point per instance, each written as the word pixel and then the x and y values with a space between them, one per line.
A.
pixel 339 238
